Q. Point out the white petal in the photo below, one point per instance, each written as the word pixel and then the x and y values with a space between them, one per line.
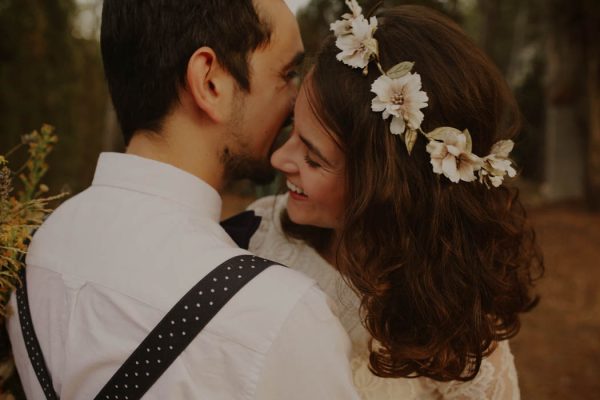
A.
pixel 382 87
pixel 341 27
pixel 436 149
pixel 414 117
pixel 397 127
pixel 373 24
pixel 449 168
pixel 461 142
pixel 454 150
pixel 348 43
pixel 377 105
pixel 466 171
pixel 496 180
pixel 437 165
pixel 354 7
pixel 353 57
pixel 503 148
pixel 437 152
pixel 393 109
pixel 419 98
pixel 361 28
pixel 499 164
pixel 413 82
pixel 445 134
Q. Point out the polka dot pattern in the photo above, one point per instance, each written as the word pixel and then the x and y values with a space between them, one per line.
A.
pixel 180 326
pixel 166 341
pixel 31 343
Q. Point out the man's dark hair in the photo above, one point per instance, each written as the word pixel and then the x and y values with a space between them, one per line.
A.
pixel 146 46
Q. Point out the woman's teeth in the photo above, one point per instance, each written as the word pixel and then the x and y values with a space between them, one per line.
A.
pixel 295 188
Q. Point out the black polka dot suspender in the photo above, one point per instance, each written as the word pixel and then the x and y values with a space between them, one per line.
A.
pixel 167 340
pixel 31 342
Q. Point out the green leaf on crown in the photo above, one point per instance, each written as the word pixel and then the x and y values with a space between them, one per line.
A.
pixel 410 138
pixel 399 70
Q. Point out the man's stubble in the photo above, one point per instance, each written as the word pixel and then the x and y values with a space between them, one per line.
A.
pixel 237 156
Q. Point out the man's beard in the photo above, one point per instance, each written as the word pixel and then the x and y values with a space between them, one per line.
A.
pixel 237 160
pixel 243 165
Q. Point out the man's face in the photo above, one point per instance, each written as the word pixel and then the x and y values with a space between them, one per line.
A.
pixel 259 114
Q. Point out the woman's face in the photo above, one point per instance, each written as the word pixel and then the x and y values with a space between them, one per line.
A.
pixel 314 167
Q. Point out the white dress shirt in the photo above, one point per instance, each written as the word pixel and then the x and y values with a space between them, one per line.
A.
pixel 110 262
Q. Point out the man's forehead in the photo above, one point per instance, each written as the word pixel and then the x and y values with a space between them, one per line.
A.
pixel 276 16
pixel 284 50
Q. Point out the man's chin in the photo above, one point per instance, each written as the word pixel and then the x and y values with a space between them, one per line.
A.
pixel 258 171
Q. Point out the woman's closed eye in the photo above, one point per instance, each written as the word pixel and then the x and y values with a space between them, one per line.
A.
pixel 310 162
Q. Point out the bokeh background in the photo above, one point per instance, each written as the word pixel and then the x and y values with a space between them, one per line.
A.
pixel 549 51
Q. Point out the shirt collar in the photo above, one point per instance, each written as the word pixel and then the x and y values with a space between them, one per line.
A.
pixel 130 172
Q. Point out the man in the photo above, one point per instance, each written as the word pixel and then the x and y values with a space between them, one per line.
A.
pixel 201 89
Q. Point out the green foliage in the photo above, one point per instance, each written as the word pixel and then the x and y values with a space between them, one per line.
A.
pixel 20 214
pixel 48 74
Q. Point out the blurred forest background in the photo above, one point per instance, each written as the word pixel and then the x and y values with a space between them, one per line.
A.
pixel 549 51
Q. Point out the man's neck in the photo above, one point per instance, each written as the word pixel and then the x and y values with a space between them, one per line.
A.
pixel 182 153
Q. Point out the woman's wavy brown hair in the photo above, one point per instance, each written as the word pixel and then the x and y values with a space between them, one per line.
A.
pixel 442 269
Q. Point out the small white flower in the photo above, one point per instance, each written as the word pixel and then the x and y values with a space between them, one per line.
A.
pixel 344 26
pixel 354 7
pixel 341 27
pixel 497 164
pixel 359 46
pixel 451 155
pixel 401 98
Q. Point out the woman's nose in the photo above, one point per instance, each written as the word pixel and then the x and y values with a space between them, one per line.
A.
pixel 283 158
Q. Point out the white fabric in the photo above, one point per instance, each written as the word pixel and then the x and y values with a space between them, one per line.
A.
pixel 110 262
pixel 496 380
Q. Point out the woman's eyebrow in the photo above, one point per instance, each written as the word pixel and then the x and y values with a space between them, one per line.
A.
pixel 313 149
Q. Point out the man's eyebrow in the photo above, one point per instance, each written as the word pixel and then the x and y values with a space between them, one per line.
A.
pixel 313 149
pixel 294 62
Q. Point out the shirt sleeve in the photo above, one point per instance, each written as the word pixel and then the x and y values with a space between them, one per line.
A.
pixel 310 358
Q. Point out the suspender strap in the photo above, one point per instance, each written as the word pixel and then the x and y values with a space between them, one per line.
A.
pixel 31 342
pixel 180 326
pixel 169 338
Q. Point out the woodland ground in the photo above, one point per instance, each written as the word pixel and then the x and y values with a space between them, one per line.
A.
pixel 557 351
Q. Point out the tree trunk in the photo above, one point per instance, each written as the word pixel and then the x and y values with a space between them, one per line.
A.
pixel 593 165
pixel 565 115
pixel 592 184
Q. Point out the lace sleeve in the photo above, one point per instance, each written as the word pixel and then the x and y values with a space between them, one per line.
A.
pixel 497 379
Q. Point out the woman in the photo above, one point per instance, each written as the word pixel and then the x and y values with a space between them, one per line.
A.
pixel 397 205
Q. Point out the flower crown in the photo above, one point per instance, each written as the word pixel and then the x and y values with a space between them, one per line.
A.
pixel 399 95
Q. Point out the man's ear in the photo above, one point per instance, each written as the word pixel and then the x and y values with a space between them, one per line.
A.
pixel 211 86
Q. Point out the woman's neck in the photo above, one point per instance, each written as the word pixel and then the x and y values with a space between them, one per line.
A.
pixel 328 253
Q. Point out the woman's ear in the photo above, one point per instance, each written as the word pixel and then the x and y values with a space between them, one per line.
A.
pixel 210 85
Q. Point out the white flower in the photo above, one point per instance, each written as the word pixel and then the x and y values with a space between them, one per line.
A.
pixel 401 98
pixel 359 46
pixel 344 25
pixel 497 164
pixel 451 155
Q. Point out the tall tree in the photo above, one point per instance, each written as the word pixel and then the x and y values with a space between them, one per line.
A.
pixel 48 75
pixel 592 54
pixel 573 98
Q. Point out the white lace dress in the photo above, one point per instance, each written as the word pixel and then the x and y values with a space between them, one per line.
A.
pixel 497 378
